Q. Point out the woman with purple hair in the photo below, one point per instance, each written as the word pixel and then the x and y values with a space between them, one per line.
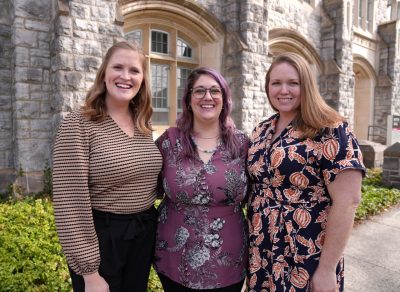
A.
pixel 202 236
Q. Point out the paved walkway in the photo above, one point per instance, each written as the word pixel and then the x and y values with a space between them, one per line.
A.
pixel 372 256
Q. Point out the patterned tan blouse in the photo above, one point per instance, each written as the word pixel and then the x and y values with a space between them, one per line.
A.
pixel 96 165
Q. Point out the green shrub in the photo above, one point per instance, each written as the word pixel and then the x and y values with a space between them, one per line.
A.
pixel 30 255
pixel 375 197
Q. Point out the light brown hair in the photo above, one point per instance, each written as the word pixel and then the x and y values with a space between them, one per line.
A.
pixel 140 107
pixel 315 114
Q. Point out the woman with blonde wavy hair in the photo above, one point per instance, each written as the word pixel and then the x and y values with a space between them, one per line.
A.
pixel 305 167
pixel 106 166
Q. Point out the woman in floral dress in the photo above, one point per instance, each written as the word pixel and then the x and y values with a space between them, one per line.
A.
pixel 201 237
pixel 306 168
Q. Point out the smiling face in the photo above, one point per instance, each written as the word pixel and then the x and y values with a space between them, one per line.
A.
pixel 208 108
pixel 123 77
pixel 284 90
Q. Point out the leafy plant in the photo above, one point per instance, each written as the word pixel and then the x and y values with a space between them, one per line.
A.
pixel 375 197
pixel 30 255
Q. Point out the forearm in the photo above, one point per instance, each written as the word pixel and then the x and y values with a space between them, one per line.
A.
pixel 338 230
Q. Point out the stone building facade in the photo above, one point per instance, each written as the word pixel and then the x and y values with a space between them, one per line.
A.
pixel 50 50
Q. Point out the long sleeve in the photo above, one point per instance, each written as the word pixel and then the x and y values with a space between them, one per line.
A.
pixel 72 204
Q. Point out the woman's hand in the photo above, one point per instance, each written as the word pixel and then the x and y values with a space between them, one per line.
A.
pixel 324 280
pixel 95 283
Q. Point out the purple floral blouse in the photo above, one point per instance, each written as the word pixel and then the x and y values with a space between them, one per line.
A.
pixel 202 236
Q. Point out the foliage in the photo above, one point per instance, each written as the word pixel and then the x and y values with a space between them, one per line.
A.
pixel 30 255
pixel 375 197
pixel 154 284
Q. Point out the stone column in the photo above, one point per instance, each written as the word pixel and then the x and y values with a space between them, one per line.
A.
pixel 6 138
pixel 337 82
pixel 245 60
pixel 387 91
pixel 31 113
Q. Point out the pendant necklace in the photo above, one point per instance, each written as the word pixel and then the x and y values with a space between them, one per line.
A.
pixel 209 151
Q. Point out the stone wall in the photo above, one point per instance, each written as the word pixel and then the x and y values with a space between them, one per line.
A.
pixel 6 147
pixel 50 51
pixel 387 90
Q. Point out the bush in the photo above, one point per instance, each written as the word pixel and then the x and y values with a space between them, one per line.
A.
pixel 31 258
pixel 30 255
pixel 375 197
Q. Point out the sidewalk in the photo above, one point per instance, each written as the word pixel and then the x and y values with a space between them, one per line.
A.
pixel 372 256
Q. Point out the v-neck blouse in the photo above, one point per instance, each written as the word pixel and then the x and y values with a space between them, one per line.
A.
pixel 201 237
pixel 97 166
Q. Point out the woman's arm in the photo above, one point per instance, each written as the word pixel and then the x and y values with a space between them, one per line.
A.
pixel 345 192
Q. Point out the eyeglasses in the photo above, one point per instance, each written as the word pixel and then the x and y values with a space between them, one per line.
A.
pixel 200 92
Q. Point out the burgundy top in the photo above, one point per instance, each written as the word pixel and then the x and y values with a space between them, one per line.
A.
pixel 202 236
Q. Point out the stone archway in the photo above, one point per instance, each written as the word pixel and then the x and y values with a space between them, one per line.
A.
pixel 364 78
pixel 284 40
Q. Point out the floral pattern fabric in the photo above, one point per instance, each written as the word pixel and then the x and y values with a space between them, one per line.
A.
pixel 202 233
pixel 289 202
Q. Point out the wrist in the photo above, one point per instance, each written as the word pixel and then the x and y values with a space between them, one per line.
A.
pixel 92 276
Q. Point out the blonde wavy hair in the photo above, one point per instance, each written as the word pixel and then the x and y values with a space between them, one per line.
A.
pixel 140 107
pixel 315 114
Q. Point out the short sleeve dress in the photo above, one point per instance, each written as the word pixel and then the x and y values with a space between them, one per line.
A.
pixel 289 202
pixel 202 232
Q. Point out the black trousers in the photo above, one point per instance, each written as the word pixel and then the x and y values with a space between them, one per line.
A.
pixel 126 245
pixel 171 286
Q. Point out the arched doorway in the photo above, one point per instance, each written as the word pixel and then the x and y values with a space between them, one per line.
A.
pixel 364 77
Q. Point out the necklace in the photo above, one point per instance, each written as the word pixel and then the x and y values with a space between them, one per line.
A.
pixel 208 151
pixel 198 137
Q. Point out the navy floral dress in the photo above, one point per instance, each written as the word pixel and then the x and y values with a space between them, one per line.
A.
pixel 289 202
pixel 202 232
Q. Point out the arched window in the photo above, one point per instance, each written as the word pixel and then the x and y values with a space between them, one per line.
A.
pixel 175 41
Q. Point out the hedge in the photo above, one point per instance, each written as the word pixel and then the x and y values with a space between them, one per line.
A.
pixel 30 254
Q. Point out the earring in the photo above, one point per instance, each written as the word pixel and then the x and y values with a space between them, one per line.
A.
pixel 189 108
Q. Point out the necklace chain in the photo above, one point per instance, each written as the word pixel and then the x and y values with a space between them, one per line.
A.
pixel 209 151
pixel 207 138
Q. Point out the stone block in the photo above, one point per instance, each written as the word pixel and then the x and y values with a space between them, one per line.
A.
pixel 390 163
pixel 37 25
pixel 27 109
pixel 21 90
pixel 32 153
pixel 6 173
pixel 39 9
pixel 372 153
pixel 40 62
pixel 80 11
pixel 5 103
pixel 25 38
pixel 392 150
pixel 87 64
pixel 28 74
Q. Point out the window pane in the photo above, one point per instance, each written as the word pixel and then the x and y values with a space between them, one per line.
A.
pixel 370 14
pixel 183 49
pixel 135 37
pixel 159 83
pixel 182 75
pixel 159 42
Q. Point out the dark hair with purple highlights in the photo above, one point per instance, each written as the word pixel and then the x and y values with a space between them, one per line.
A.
pixel 226 124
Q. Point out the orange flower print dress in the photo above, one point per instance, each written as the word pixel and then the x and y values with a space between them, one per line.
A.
pixel 289 202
